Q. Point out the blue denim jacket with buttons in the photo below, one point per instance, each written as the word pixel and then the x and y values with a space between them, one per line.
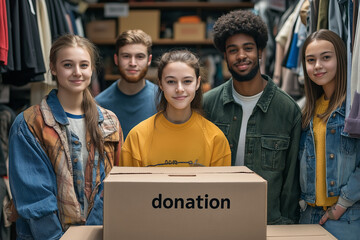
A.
pixel 43 171
pixel 342 162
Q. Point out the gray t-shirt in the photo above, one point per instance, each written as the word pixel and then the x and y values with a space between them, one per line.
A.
pixel 77 127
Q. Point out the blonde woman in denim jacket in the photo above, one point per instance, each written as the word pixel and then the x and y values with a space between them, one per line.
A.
pixel 329 157
pixel 62 149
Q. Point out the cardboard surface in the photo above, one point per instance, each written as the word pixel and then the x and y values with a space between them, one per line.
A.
pixel 184 203
pixel 83 233
pixel 274 232
pixel 146 20
pixel 101 30
pixel 189 31
pixel 298 232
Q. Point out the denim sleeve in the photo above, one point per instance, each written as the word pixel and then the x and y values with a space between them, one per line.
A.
pixel 290 193
pixel 32 182
pixel 47 227
pixel 350 193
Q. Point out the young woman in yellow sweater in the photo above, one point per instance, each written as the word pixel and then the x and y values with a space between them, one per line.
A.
pixel 178 135
pixel 329 157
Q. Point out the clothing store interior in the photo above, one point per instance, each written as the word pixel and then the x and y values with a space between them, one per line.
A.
pixel 28 28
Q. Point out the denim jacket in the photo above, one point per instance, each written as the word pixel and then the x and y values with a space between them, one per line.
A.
pixel 272 142
pixel 342 162
pixel 41 170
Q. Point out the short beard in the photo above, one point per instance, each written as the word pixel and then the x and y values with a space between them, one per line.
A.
pixel 133 79
pixel 247 77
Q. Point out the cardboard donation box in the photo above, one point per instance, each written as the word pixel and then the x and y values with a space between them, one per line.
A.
pixel 184 203
pixel 298 232
pixel 146 20
pixel 189 31
pixel 101 30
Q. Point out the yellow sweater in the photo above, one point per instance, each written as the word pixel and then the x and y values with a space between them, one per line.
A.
pixel 320 141
pixel 158 142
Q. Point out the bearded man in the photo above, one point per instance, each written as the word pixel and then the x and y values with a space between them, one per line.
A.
pixel 132 97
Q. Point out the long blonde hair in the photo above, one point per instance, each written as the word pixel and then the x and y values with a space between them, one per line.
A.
pixel 314 91
pixel 88 104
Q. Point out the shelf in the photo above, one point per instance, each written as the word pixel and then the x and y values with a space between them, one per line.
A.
pixel 170 11
pixel 199 6
pixel 158 42
pixel 163 5
pixel 178 42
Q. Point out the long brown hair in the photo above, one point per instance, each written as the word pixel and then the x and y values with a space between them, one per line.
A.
pixel 192 61
pixel 314 91
pixel 88 104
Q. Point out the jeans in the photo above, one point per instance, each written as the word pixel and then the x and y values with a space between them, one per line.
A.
pixel 346 228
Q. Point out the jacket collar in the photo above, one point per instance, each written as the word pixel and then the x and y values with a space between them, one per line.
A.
pixel 341 110
pixel 57 111
pixel 265 99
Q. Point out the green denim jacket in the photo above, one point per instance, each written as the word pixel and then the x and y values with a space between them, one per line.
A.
pixel 272 143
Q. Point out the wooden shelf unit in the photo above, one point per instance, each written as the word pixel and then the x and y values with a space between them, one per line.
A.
pixel 191 5
pixel 200 8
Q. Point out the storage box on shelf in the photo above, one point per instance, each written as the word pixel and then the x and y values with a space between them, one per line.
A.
pixel 189 31
pixel 147 20
pixel 101 30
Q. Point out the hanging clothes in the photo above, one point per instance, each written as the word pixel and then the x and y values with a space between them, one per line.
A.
pixel 10 60
pixel 58 23
pixel 296 44
pixel 284 39
pixel 4 42
pixel 28 65
pixel 70 17
pixel 270 17
pixel 323 15
pixel 45 36
pixel 352 121
pixel 337 18
pixel 280 43
pixel 355 17
pixel 349 90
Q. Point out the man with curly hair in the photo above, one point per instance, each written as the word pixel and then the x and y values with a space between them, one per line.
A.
pixel 262 123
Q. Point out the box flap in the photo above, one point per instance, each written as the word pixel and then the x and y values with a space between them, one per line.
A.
pixel 298 230
pixel 83 232
pixel 179 170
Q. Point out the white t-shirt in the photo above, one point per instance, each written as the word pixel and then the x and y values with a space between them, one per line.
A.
pixel 247 104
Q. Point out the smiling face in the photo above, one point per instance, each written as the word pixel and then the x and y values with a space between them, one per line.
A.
pixel 73 69
pixel 321 64
pixel 133 62
pixel 179 84
pixel 242 57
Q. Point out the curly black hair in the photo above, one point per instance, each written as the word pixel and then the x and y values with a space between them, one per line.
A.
pixel 240 21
